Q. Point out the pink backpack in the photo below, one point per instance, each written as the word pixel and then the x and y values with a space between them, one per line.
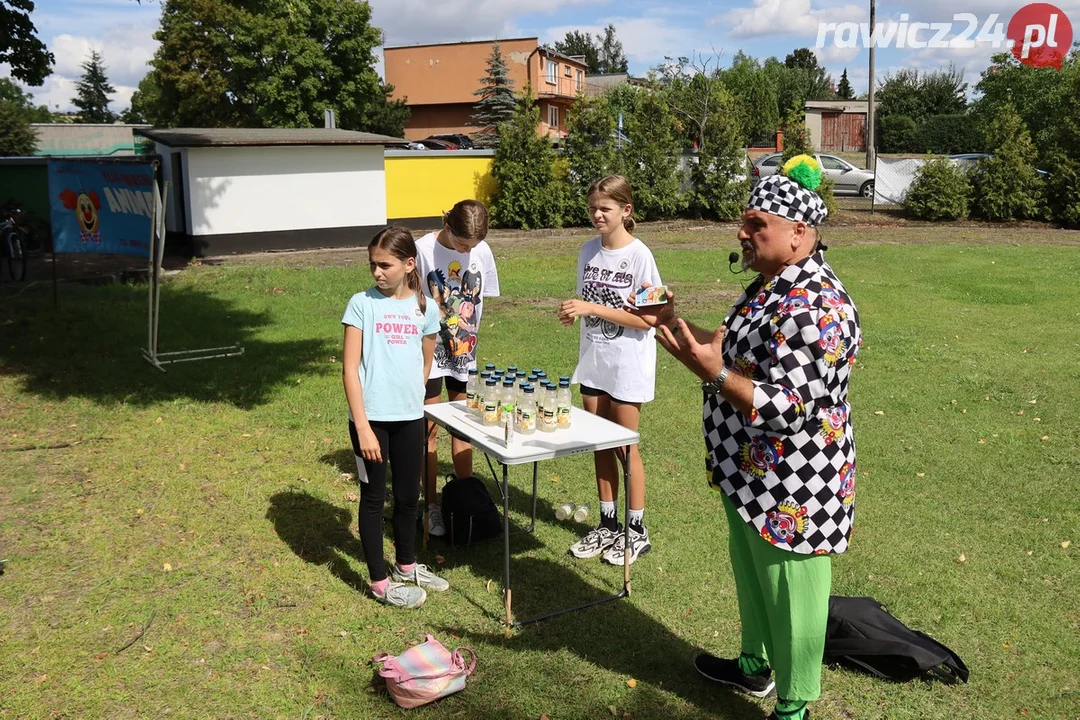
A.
pixel 425 672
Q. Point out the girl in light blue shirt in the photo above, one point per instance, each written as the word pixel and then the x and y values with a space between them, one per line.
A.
pixel 390 334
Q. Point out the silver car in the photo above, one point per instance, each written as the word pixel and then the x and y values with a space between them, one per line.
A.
pixel 848 179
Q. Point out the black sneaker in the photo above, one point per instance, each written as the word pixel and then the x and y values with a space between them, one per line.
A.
pixel 723 670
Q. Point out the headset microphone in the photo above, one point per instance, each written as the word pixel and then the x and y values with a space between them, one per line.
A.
pixel 733 258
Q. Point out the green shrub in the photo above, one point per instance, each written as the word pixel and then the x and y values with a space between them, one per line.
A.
pixel 1064 190
pixel 827 192
pixel 650 161
pixel 532 190
pixel 941 191
pixel 948 134
pixel 896 133
pixel 1006 186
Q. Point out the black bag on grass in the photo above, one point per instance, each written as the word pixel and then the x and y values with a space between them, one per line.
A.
pixel 469 512
pixel 862 634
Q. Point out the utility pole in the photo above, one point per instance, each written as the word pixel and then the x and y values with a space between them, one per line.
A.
pixel 870 153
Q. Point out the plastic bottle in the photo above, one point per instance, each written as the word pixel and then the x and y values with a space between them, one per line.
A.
pixel 536 371
pixel 472 392
pixel 507 403
pixel 527 412
pixel 512 370
pixel 490 368
pixel 581 514
pixel 549 420
pixel 562 404
pixel 564 511
pixel 491 403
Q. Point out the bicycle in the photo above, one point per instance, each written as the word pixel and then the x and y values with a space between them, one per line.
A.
pixel 13 250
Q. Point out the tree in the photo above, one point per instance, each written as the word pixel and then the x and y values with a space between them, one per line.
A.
pixel 695 93
pixel 236 63
pixel 581 44
pixel 941 191
pixel 589 149
pixel 650 158
pixel 802 58
pixel 843 89
pixel 755 94
pixel 145 102
pixel 1007 186
pixel 16 135
pixel 611 56
pixel 497 102
pixel 30 61
pixel 532 192
pixel 12 93
pixel 93 91
pixel 794 86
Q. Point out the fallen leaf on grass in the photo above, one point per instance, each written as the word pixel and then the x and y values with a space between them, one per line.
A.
pixel 352 497
pixel 920 474
pixel 439 559
pixel 38 679
pixel 612 710
pixel 631 683
pixel 879 412
pixel 1020 413
pixel 1030 552
pixel 1065 544
pixel 554 478
pixel 487 586
pixel 1032 402
pixel 961 559
pixel 1045 437
pixel 982 441
pixel 166 567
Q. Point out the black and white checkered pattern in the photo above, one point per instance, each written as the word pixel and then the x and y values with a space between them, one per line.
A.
pixel 789 468
pixel 780 195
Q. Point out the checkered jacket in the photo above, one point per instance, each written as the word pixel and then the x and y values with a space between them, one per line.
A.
pixel 789 468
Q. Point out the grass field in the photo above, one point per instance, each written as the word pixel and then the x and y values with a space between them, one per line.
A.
pixel 211 509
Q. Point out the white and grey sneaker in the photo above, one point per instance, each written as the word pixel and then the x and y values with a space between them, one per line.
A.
pixel 436 526
pixel 421 576
pixel 403 596
pixel 595 542
pixel 639 545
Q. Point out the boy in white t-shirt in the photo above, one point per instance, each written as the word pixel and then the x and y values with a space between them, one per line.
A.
pixel 616 360
pixel 458 271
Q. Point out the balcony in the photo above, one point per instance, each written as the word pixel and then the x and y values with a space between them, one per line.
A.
pixel 563 87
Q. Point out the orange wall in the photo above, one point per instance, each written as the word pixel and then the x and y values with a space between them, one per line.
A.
pixel 426 120
pixel 432 74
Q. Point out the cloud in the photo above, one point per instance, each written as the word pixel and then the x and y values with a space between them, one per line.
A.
pixel 784 17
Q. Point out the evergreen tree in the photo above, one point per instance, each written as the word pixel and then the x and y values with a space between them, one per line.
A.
pixel 497 103
pixel 93 91
pixel 581 44
pixel 844 90
pixel 612 59
pixel 1007 186
pixel 532 189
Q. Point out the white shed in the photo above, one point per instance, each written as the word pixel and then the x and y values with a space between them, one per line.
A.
pixel 237 190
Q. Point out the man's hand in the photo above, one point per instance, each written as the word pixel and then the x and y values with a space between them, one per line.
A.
pixel 655 315
pixel 705 360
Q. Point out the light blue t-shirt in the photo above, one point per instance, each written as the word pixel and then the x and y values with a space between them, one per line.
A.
pixel 392 364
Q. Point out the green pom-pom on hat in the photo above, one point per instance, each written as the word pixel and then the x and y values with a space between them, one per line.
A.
pixel 805 170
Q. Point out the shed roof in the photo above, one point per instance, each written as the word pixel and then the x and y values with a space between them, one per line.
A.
pixel 231 137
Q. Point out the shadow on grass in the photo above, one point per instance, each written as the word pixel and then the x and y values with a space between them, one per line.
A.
pixel 90 347
pixel 318 532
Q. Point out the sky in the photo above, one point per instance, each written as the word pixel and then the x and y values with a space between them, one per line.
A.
pixel 650 30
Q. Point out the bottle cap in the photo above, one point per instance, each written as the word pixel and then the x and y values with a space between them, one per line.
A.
pixel 472 371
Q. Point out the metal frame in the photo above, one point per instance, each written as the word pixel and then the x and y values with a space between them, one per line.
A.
pixel 623 451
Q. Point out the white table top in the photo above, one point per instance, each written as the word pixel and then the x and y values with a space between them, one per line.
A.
pixel 587 433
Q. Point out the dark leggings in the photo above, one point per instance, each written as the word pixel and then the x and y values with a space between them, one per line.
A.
pixel 402 446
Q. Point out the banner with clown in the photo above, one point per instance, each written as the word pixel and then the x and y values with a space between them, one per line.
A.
pixel 101 207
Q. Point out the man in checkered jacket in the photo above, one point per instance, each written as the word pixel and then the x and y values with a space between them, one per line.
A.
pixel 779 437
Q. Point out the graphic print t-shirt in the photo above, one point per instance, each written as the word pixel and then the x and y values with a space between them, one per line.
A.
pixel 457 283
pixel 392 363
pixel 620 361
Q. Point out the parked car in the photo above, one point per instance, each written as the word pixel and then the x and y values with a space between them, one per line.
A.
pixel 968 161
pixel 464 142
pixel 847 178
pixel 433 144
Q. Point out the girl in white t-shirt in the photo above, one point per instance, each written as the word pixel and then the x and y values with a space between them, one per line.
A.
pixel 390 334
pixel 457 269
pixel 616 360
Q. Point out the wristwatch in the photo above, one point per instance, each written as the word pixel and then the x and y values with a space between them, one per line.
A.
pixel 713 386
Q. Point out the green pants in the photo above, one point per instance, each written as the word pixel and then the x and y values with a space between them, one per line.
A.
pixel 783 606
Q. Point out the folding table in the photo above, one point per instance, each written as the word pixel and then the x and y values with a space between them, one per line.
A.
pixel 587 433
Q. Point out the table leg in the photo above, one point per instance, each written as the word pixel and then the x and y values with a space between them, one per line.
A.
pixel 424 483
pixel 532 525
pixel 626 514
pixel 506 548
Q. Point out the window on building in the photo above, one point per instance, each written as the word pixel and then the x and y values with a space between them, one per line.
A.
pixel 552 71
pixel 553 116
pixel 580 79
pixel 566 70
